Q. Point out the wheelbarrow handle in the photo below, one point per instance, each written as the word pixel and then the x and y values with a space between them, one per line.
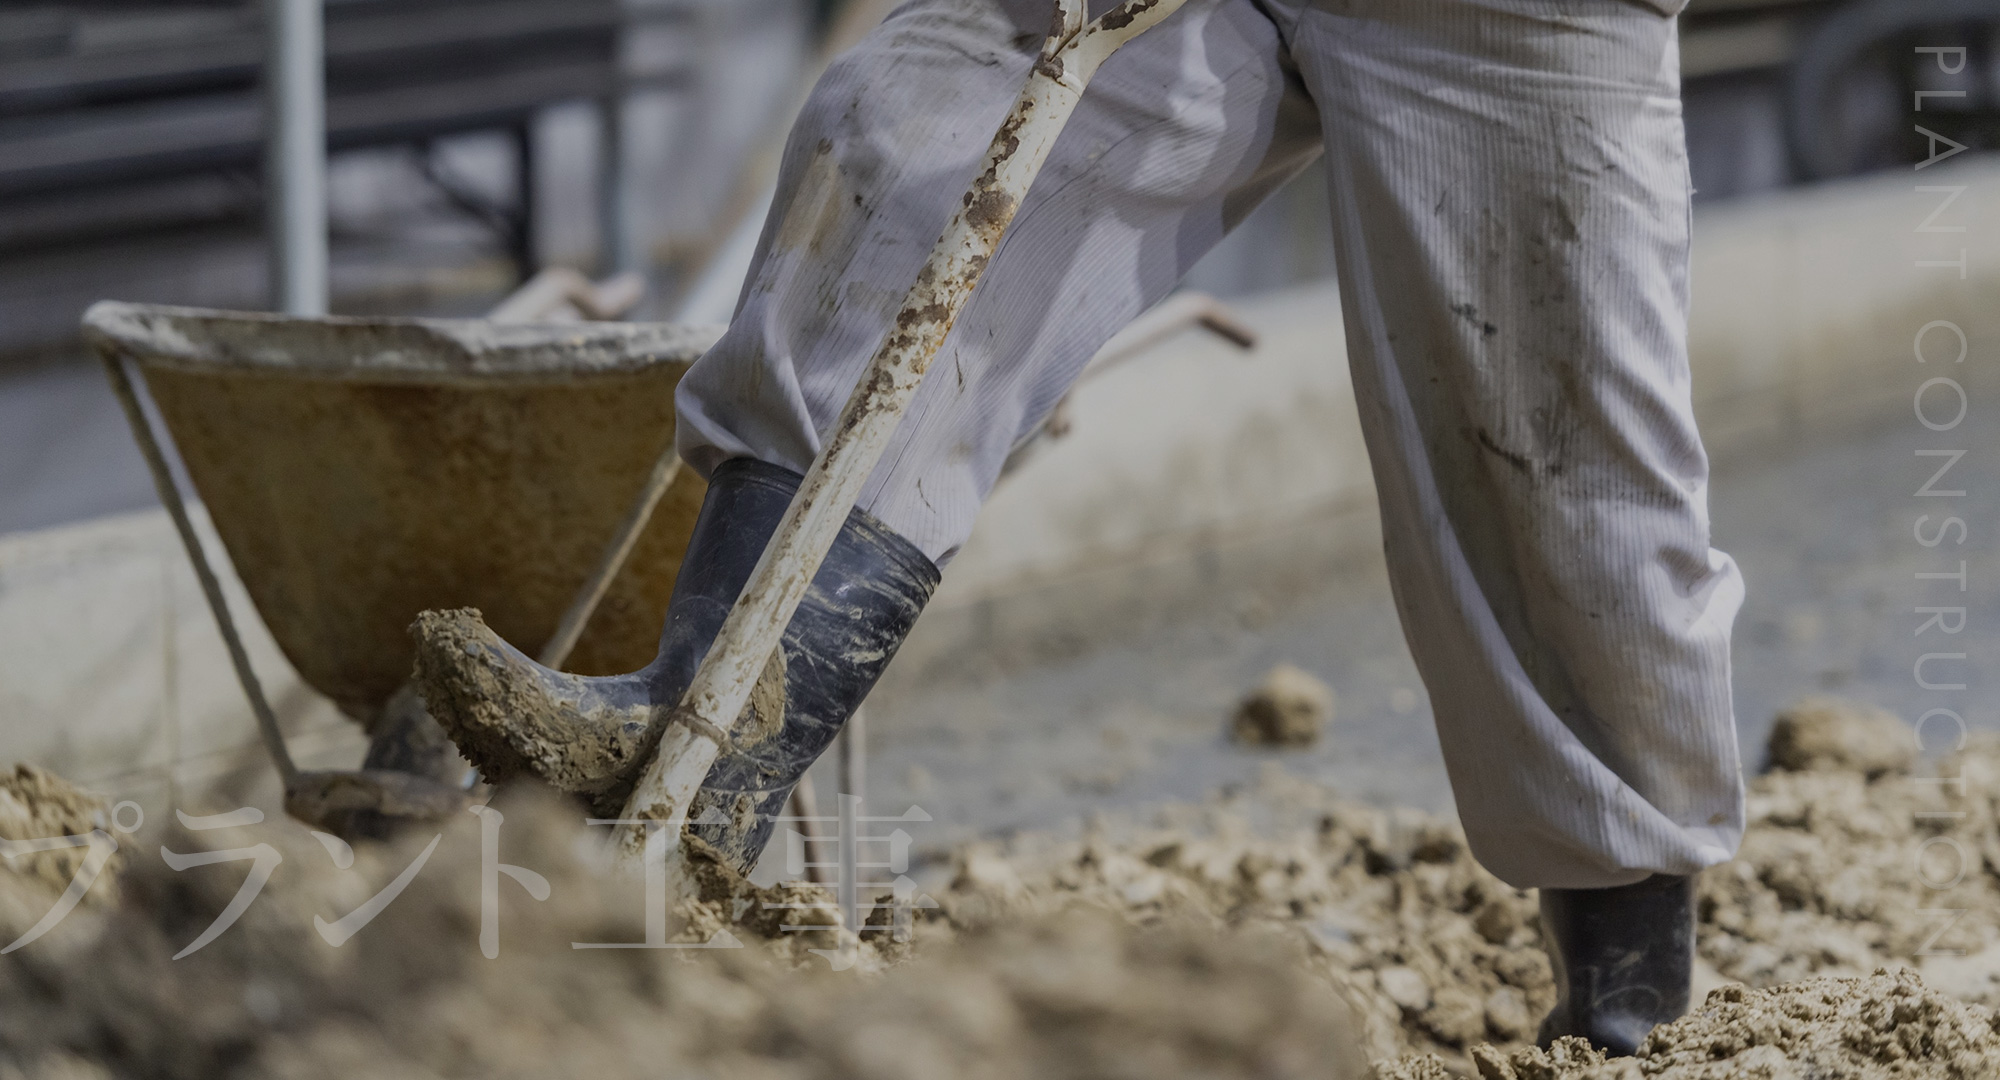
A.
pixel 701 721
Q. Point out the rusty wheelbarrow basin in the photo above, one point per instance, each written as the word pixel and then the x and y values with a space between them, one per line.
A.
pixel 361 470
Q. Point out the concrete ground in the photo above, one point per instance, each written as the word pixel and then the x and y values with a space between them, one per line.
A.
pixel 1823 534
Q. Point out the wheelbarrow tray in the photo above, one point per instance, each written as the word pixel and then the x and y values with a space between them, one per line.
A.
pixel 359 471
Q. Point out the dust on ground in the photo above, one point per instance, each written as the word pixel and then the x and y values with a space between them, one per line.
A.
pixel 1265 932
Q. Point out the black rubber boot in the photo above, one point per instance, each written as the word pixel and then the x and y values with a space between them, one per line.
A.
pixel 593 735
pixel 1623 959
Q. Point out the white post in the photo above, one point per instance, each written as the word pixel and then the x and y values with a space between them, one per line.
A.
pixel 295 154
pixel 620 247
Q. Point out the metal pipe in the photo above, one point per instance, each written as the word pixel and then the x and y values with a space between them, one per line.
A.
pixel 211 588
pixel 853 814
pixel 804 808
pixel 848 890
pixel 523 245
pixel 295 154
pixel 854 756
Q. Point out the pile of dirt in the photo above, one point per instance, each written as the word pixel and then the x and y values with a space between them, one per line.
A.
pixel 413 993
pixel 1273 931
pixel 35 803
pixel 1858 855
pixel 1886 1026
pixel 1435 952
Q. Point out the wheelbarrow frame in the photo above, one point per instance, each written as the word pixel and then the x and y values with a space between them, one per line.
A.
pixel 217 378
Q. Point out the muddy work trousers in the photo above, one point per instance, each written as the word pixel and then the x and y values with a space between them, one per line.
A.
pixel 1510 213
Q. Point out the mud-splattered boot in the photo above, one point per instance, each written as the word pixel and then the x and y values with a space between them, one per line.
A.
pixel 1623 959
pixel 593 735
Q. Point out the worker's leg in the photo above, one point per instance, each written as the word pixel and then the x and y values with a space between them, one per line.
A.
pixel 1511 215
pixel 1181 133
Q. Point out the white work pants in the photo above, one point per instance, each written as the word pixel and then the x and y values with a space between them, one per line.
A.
pixel 1510 209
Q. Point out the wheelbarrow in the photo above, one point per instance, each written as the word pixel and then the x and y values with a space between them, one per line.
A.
pixel 360 470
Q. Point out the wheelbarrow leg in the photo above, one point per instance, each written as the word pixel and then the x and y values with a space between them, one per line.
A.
pixel 364 803
pixel 804 808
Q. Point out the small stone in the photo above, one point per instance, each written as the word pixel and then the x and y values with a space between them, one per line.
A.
pixel 1289 709
pixel 1401 837
pixel 1492 1064
pixel 984 870
pixel 1763 1063
pixel 1414 1067
pixel 1507 1014
pixel 1496 921
pixel 1144 890
pixel 1457 1017
pixel 1526 968
pixel 1404 986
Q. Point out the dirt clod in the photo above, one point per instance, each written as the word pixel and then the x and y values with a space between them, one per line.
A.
pixel 1291 708
pixel 1828 735
pixel 36 803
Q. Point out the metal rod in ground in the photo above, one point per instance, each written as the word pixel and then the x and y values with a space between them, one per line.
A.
pixel 805 808
pixel 721 686
pixel 295 154
pixel 854 757
pixel 211 588
pixel 853 804
pixel 570 629
pixel 849 890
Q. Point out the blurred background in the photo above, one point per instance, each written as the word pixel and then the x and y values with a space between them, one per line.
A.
pixel 475 141
pixel 1128 585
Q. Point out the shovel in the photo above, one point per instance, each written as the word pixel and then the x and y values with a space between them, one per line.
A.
pixel 656 812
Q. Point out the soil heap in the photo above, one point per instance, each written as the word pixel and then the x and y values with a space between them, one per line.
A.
pixel 1080 993
pixel 1858 856
pixel 1272 931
